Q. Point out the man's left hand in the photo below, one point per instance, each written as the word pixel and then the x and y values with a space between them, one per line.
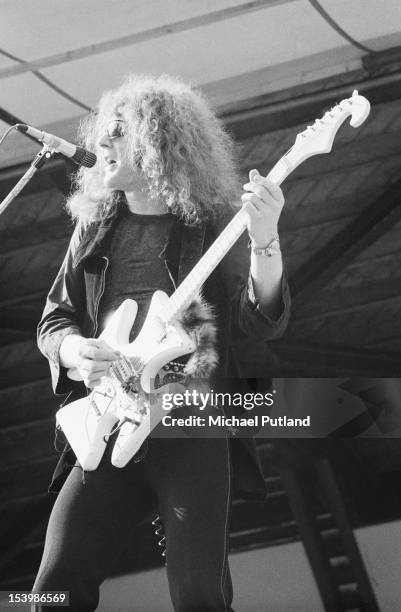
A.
pixel 263 204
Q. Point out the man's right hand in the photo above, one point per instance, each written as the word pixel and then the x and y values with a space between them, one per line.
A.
pixel 90 357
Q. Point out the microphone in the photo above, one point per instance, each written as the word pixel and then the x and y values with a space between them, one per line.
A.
pixel 79 155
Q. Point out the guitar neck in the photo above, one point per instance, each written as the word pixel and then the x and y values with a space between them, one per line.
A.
pixel 191 285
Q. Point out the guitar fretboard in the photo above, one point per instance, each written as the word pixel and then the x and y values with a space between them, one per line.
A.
pixel 190 286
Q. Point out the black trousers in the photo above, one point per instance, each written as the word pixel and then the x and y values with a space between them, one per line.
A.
pixel 187 481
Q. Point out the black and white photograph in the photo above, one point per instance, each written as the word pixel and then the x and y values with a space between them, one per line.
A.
pixel 200 288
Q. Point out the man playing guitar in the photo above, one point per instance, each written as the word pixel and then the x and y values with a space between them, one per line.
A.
pixel 160 193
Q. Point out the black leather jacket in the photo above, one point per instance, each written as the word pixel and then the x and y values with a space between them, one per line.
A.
pixel 73 302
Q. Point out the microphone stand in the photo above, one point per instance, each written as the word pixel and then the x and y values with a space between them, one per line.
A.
pixel 44 154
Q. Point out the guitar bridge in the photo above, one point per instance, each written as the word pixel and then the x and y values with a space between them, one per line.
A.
pixel 127 374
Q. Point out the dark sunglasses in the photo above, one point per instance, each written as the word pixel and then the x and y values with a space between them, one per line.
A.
pixel 115 128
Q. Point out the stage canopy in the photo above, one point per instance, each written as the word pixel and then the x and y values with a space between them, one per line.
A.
pixel 57 57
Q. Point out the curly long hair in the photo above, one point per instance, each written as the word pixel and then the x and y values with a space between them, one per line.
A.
pixel 181 146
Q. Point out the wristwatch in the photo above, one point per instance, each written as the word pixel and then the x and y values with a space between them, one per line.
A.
pixel 268 251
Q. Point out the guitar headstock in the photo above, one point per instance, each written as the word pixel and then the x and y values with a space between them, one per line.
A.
pixel 319 137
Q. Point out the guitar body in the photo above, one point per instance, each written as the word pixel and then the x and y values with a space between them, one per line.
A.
pixel 126 395
pixel 87 424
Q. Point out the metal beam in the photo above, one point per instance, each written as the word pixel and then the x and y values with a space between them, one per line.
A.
pixel 140 37
pixel 363 231
pixel 298 487
pixel 339 511
pixel 21 444
pixel 22 237
pixel 24 299
pixel 324 360
pixel 13 376
pixel 30 478
pixel 25 402
pixel 56 173
pixel 23 522
pixel 342 301
pixel 24 322
pixel 379 79
pixel 10 336
pixel 38 529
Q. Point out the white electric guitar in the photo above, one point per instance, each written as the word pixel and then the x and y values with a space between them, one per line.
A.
pixel 127 399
